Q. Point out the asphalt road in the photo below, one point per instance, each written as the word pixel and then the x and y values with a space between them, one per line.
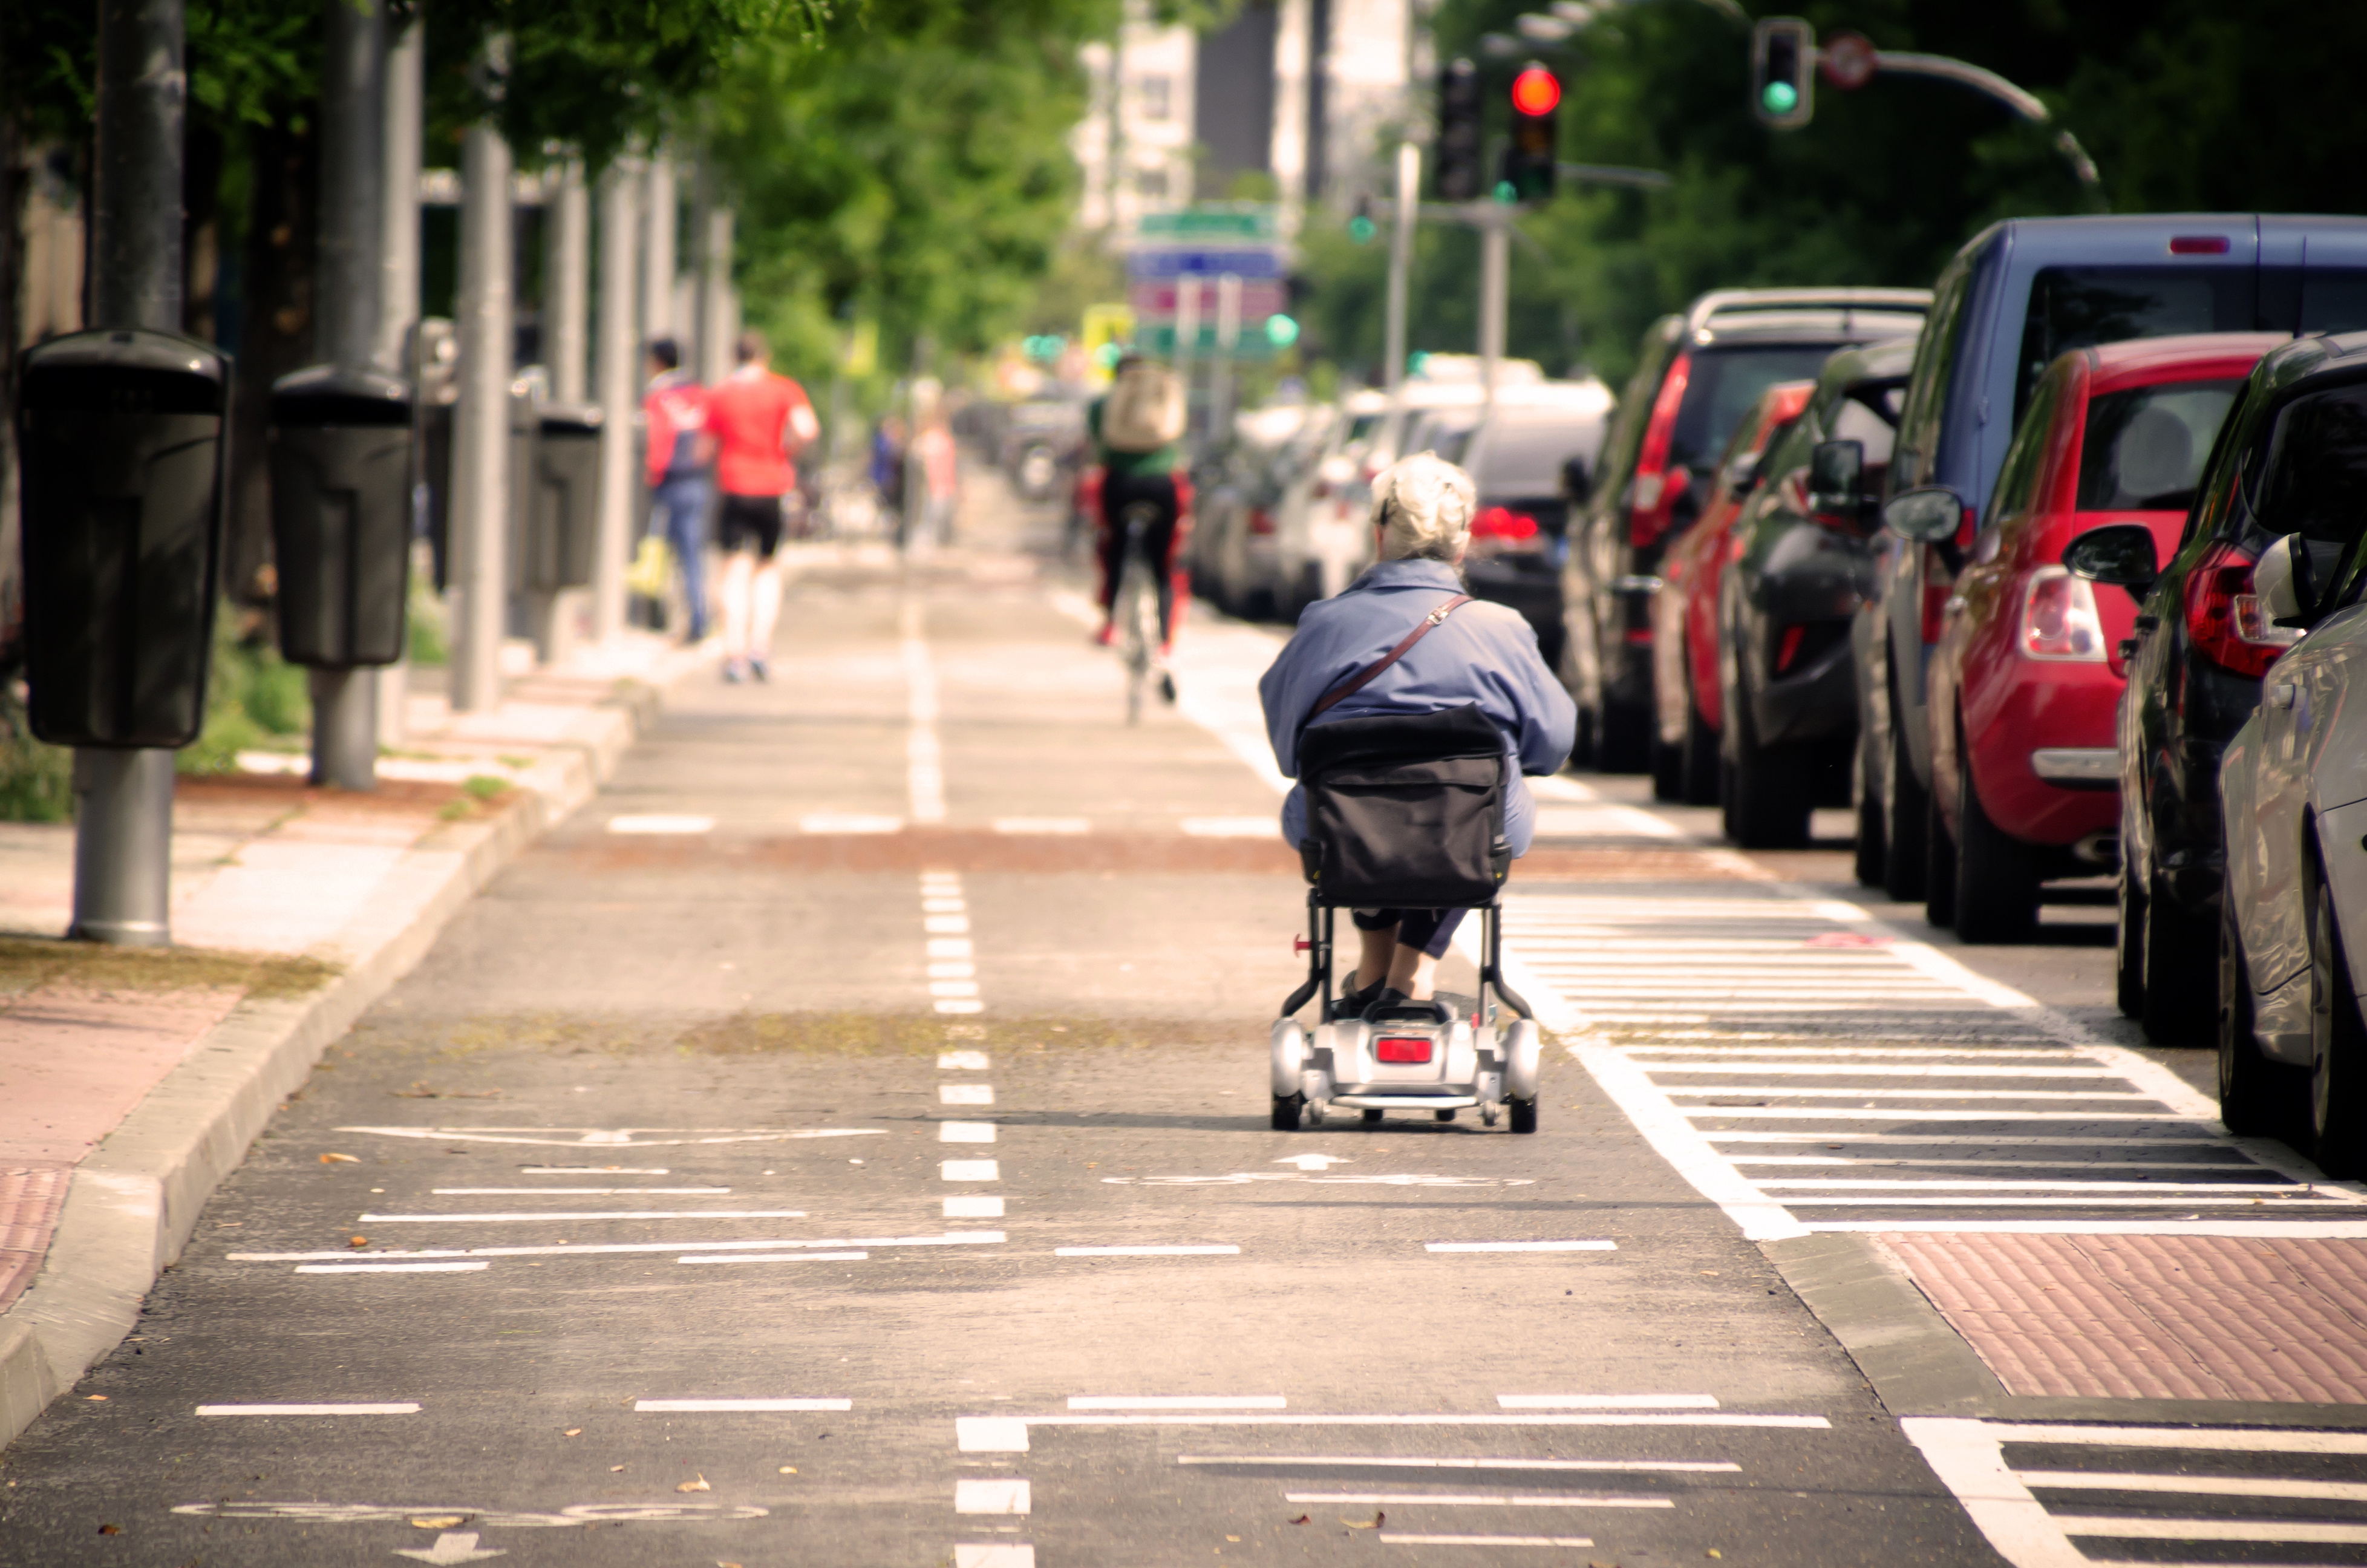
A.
pixel 742 1182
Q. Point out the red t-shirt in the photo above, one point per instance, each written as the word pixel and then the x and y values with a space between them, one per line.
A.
pixel 750 413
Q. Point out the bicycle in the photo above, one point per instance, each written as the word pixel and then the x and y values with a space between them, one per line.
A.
pixel 1136 611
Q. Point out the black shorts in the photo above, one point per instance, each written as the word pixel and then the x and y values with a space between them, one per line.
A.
pixel 749 522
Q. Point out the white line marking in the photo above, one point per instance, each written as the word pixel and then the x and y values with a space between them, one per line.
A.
pixel 973 1208
pixel 662 823
pixel 950 1004
pixel 1857 1092
pixel 945 989
pixel 961 971
pixel 2317 1230
pixel 1482 1500
pixel 997 1554
pixel 780 1257
pixel 389 1268
pixel 1397 1461
pixel 594 1170
pixel 1969 1201
pixel 2265 1191
pixel 1030 826
pixel 1607 1418
pixel 1178 1402
pixel 400 1409
pixel 1232 827
pixel 951 1238
pixel 574 1192
pixel 990 1435
pixel 830 824
pixel 965 1133
pixel 2220 1439
pixel 2123 1529
pixel 2143 1140
pixel 1680 1144
pixel 943 903
pixel 968 1170
pixel 946 924
pixel 965 1093
pixel 961 1061
pixel 1911 1113
pixel 617 1138
pixel 1607 1401
pixel 992 1496
pixel 718 1406
pixel 1964 1455
pixel 592 1214
pixel 1146 1252
pixel 1521 1246
pixel 1858 1070
pixel 949 947
pixel 1396 1538
pixel 925 774
pixel 2198 1485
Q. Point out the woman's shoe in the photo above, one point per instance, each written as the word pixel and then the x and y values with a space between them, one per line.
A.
pixel 1351 1004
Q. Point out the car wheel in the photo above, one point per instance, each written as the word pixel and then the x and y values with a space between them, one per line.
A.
pixel 1939 865
pixel 1770 809
pixel 1868 860
pixel 1623 744
pixel 2177 956
pixel 2253 1091
pixel 2128 942
pixel 2338 1078
pixel 1697 771
pixel 1906 809
pixel 1668 768
pixel 1997 891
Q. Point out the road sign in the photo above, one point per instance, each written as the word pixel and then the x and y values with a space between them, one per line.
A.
pixel 1239 221
pixel 1197 262
pixel 1846 60
pixel 1159 301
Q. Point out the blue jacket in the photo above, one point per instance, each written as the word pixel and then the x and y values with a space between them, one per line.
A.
pixel 1483 653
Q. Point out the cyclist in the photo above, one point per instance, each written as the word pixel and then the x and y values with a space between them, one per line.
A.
pixel 1136 430
pixel 761 419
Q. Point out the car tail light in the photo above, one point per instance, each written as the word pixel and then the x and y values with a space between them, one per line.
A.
pixel 1322 489
pixel 1655 490
pixel 1787 647
pixel 1503 525
pixel 1397 1048
pixel 1261 520
pixel 1639 635
pixel 2224 618
pixel 2060 619
pixel 2197 244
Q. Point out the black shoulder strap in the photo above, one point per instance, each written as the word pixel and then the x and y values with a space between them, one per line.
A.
pixel 1364 677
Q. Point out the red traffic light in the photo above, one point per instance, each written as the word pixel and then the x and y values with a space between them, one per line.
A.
pixel 1536 91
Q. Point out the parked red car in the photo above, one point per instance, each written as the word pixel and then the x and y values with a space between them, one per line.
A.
pixel 1684 608
pixel 2027 670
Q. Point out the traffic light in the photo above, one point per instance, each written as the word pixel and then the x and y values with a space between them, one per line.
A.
pixel 1528 157
pixel 1783 72
pixel 1457 154
pixel 1360 227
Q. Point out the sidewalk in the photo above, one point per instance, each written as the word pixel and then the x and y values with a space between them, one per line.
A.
pixel 131 1081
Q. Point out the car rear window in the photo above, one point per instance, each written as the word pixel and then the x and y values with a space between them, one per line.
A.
pixel 2317 466
pixel 1524 457
pixel 2078 307
pixel 1724 385
pixel 2144 447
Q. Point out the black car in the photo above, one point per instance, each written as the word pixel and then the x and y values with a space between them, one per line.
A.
pixel 1520 459
pixel 1802 560
pixel 1698 374
pixel 2292 458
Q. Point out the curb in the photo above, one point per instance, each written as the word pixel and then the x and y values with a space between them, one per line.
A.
pixel 131 1205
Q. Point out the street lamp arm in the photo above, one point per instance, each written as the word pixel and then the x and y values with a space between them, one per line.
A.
pixel 1965 74
pixel 1614 174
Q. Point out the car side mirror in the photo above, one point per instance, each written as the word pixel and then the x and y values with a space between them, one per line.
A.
pixel 1836 475
pixel 1924 517
pixel 2292 579
pixel 2121 554
pixel 1575 483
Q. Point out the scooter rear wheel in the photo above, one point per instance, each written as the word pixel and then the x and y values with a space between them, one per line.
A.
pixel 1372 1114
pixel 1525 1115
pixel 1285 1112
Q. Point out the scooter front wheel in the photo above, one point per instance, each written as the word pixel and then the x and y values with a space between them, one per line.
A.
pixel 1372 1114
pixel 1525 1116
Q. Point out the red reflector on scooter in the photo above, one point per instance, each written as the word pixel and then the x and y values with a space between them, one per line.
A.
pixel 1401 1050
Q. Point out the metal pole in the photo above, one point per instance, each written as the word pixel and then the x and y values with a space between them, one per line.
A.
pixel 658 260
pixel 1495 262
pixel 715 311
pixel 123 798
pixel 1187 337
pixel 351 268
pixel 398 289
pixel 619 380
pixel 1401 261
pixel 481 435
pixel 1228 342
pixel 570 283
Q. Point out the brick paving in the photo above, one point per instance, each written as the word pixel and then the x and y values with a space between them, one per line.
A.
pixel 30 1197
pixel 2270 1318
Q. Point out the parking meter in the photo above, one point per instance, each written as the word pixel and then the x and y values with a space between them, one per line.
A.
pixel 120 433
pixel 341 453
pixel 565 530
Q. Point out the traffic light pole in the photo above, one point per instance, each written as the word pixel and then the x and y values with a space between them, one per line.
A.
pixel 1495 287
pixel 1393 356
pixel 398 314
pixel 123 798
pixel 619 367
pixel 481 435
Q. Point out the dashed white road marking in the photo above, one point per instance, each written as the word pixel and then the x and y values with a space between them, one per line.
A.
pixel 594 1170
pixel 1396 1538
pixel 575 1192
pixel 723 1406
pixel 1401 1462
pixel 1178 1402
pixel 617 1138
pixel 985 1496
pixel 994 1555
pixel 968 1170
pixel 945 918
pixel 924 757
pixel 1521 1247
pixel 965 1093
pixel 973 1208
pixel 561 1249
pixel 779 1257
pixel 661 823
pixel 1477 1500
pixel 1008 1434
pixel 589 1214
pixel 1607 1401
pixel 400 1408
pixel 830 824
pixel 1147 1252
pixel 965 1133
pixel 389 1268
pixel 1023 827
pixel 961 1061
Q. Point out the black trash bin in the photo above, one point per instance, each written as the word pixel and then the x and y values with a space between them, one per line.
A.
pixel 341 466
pixel 566 529
pixel 120 434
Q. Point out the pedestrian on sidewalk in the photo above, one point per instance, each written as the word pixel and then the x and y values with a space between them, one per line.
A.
pixel 681 460
pixel 941 472
pixel 761 420
pixel 887 472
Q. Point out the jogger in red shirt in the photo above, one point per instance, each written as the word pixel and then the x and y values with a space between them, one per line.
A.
pixel 760 421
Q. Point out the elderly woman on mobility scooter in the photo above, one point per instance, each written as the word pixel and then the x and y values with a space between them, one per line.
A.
pixel 1419 674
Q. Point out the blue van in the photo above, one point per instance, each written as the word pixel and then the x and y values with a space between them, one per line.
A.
pixel 2017 295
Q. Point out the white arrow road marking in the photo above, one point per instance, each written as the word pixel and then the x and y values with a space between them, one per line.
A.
pixel 1315 1162
pixel 454 1546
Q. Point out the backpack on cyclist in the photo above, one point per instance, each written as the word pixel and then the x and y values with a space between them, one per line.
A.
pixel 1144 410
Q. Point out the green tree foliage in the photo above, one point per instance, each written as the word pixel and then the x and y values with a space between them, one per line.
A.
pixel 2185 105
pixel 909 164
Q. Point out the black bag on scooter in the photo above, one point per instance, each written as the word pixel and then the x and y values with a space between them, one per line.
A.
pixel 1406 810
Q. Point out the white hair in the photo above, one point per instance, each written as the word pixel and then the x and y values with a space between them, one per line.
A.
pixel 1423 505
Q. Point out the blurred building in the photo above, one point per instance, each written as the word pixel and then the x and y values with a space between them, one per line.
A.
pixel 1295 95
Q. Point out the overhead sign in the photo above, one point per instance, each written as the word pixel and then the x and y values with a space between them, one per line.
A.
pixel 1162 300
pixel 1236 221
pixel 1145 262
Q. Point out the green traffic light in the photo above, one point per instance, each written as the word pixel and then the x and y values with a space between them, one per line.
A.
pixel 1781 98
pixel 1280 331
pixel 1506 193
pixel 1362 229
